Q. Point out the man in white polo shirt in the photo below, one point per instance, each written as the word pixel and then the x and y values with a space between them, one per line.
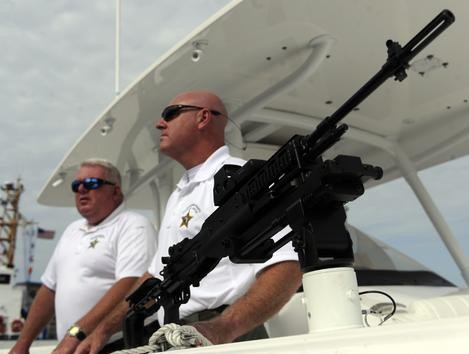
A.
pixel 97 260
pixel 192 133
pixel 188 207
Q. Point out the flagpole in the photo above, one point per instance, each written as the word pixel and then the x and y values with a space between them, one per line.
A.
pixel 117 47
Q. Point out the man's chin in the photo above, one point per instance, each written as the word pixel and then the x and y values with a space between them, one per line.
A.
pixel 163 147
pixel 84 211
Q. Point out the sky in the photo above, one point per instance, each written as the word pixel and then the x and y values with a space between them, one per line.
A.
pixel 57 76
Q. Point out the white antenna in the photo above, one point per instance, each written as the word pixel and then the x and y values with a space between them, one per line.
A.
pixel 117 45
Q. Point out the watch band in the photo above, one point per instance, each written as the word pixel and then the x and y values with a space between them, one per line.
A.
pixel 75 331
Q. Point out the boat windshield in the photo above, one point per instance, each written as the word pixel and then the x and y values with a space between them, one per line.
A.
pixel 377 263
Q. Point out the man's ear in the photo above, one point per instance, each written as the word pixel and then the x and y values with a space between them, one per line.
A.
pixel 203 118
pixel 118 195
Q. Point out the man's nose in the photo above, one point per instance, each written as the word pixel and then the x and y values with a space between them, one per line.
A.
pixel 160 124
pixel 82 189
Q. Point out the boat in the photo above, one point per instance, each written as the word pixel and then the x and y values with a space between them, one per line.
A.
pixel 281 67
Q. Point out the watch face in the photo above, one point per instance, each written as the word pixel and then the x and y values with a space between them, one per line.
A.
pixel 75 331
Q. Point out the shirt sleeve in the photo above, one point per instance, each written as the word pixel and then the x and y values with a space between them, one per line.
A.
pixel 135 248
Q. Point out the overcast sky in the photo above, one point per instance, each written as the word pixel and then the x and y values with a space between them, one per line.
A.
pixel 57 76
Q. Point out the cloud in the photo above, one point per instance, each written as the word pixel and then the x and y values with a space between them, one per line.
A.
pixel 57 74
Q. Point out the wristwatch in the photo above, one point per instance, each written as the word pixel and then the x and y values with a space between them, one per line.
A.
pixel 75 331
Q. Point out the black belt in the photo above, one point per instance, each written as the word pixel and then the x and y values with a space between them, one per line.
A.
pixel 203 315
pixel 257 333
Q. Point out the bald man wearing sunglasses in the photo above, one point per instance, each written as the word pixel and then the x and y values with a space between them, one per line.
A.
pixel 97 260
pixel 234 299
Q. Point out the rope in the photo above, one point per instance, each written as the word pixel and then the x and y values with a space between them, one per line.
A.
pixel 170 336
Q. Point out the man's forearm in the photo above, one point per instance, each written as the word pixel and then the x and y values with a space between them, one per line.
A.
pixel 112 299
pixel 105 329
pixel 113 319
pixel 271 290
pixel 109 324
pixel 40 313
pixel 113 322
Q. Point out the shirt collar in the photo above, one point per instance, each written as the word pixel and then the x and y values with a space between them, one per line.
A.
pixel 207 169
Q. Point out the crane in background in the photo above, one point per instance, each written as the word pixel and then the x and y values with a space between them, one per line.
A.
pixel 10 219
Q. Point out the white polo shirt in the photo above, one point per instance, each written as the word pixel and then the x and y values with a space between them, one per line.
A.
pixel 188 207
pixel 88 260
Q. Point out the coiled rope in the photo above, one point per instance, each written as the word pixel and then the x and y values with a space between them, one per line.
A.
pixel 170 336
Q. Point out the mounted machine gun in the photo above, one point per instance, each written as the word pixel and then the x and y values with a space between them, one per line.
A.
pixel 295 188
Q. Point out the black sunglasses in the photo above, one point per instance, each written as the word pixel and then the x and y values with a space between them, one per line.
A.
pixel 90 183
pixel 174 110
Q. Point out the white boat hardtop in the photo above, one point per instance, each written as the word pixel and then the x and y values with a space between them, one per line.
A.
pixel 281 67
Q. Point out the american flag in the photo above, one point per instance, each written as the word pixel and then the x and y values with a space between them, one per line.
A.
pixel 45 234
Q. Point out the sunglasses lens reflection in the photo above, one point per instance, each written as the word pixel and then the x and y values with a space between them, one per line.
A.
pixel 88 184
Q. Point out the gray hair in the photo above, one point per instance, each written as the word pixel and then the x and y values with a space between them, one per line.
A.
pixel 112 173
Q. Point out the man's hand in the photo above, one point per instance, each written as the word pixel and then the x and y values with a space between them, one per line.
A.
pixel 93 343
pixel 67 345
